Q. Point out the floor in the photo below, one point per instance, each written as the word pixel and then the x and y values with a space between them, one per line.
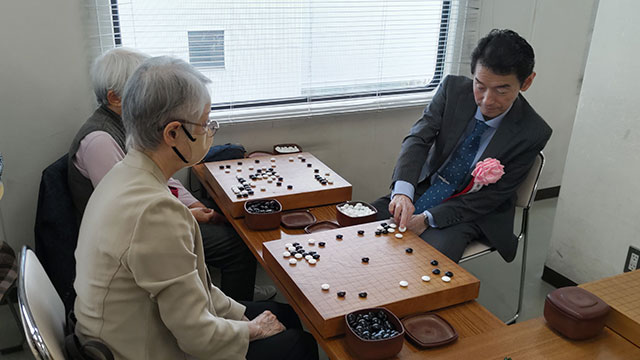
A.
pixel 498 290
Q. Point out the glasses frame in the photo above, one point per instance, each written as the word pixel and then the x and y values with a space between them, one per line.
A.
pixel 210 127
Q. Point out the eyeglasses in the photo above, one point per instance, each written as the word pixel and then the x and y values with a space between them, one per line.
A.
pixel 210 127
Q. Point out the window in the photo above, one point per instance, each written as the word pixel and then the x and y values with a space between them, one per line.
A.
pixel 281 58
pixel 206 49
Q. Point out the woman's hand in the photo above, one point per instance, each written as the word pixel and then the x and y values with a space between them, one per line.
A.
pixel 264 326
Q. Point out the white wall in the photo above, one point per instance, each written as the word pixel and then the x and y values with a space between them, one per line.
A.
pixel 559 32
pixel 597 214
pixel 46 96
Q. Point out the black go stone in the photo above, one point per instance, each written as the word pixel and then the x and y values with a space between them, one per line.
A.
pixel 239 162
pixel 321 244
pixel 342 294
pixel 360 232
pixel 316 170
pixel 363 294
pixel 309 165
pixel 436 271
pixel 259 171
pixel 385 231
pixel 434 262
pixel 316 256
pixel 303 159
pixel 295 244
pixel 239 196
pixel 257 161
pixel 251 192
pixel 279 183
pixel 378 232
pixel 245 195
pixel 339 236
pixel 383 224
pixel 449 274
pixel 409 250
pixel 365 260
pixel 221 167
pixel 289 187
pixel 228 166
pixel 280 179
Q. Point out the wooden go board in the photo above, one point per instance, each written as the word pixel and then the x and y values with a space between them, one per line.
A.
pixel 294 169
pixel 340 265
pixel 622 293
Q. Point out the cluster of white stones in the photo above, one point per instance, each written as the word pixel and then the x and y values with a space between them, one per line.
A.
pixel 357 210
pixel 287 149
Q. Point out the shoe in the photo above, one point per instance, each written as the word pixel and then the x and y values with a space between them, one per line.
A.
pixel 264 292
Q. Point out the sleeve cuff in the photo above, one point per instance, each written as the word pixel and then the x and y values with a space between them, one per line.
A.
pixel 430 219
pixel 403 188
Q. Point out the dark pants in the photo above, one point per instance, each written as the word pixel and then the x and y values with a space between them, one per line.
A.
pixel 451 241
pixel 293 343
pixel 225 250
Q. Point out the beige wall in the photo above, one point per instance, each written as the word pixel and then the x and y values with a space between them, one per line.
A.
pixel 597 214
pixel 46 97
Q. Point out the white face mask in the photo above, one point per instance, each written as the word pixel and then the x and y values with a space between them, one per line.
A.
pixel 198 147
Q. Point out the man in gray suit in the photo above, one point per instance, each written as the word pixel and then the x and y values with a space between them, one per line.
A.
pixel 470 120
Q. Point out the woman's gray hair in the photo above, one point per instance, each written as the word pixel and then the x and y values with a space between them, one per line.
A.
pixel 111 70
pixel 161 90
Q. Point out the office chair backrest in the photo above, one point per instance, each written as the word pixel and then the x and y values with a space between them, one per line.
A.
pixel 41 310
pixel 527 189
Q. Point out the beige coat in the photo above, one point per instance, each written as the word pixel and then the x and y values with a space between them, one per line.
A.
pixel 142 284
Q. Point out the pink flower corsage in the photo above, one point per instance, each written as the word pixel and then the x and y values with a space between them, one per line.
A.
pixel 487 172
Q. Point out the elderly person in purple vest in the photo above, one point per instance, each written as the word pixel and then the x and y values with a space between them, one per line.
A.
pixel 100 144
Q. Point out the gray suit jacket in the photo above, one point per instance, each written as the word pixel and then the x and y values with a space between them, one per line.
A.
pixel 520 137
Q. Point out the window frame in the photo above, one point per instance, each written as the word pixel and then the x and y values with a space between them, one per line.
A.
pixel 415 95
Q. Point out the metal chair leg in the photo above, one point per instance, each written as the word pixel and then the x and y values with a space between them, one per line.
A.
pixel 524 237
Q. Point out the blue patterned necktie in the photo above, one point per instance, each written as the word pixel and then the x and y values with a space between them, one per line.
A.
pixel 450 177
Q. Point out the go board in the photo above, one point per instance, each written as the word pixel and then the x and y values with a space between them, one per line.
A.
pixel 622 293
pixel 340 265
pixel 292 181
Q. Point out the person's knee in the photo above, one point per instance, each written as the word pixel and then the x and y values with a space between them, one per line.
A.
pixel 304 346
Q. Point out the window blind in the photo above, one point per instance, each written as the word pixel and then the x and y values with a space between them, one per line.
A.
pixel 277 58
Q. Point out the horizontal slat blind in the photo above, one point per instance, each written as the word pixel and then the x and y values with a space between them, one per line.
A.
pixel 283 58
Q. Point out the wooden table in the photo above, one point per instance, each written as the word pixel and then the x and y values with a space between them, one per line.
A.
pixel 481 334
pixel 468 319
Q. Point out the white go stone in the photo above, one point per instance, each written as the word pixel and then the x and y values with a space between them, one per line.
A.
pixel 404 283
pixel 290 159
pixel 402 229
pixel 288 245
pixel 380 228
pixel 252 184
pixel 392 225
pixel 299 156
pixel 263 189
pixel 446 278
pixel 311 241
pixel 330 181
pixel 426 278
pixel 313 261
pixel 239 168
pixel 308 257
pixel 293 261
pixel 269 181
pixel 327 174
pixel 251 167
pixel 273 159
pixel 325 287
pixel 265 176
pixel 291 248
pixel 298 256
pixel 399 236
pixel 286 254
pixel 227 170
pixel 391 230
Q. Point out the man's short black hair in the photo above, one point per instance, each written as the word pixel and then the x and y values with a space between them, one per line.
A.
pixel 504 52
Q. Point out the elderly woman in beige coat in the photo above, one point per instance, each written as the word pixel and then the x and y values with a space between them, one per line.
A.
pixel 142 284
